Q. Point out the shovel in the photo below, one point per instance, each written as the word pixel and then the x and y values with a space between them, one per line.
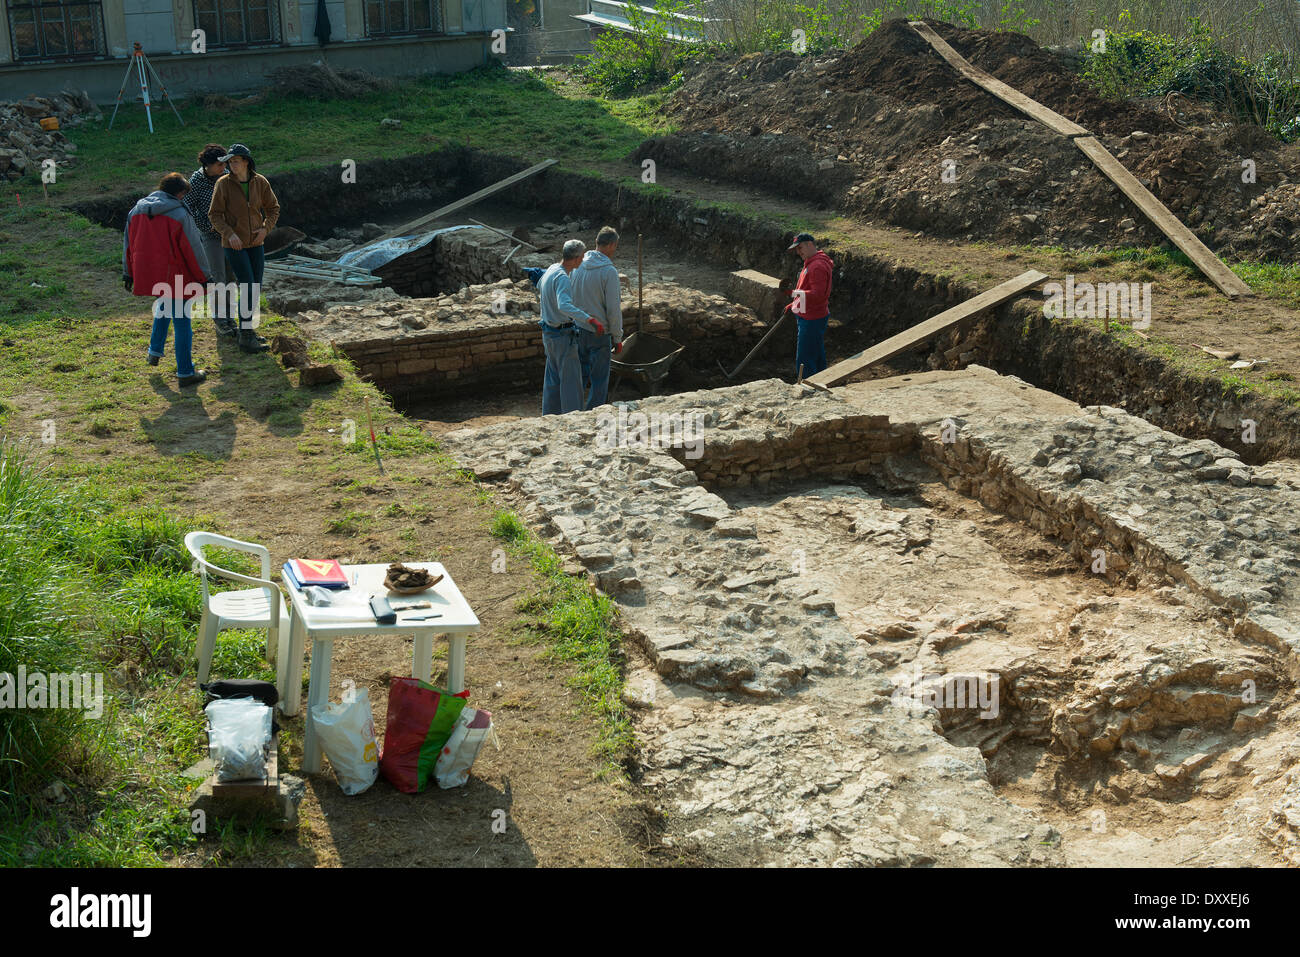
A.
pixel 754 351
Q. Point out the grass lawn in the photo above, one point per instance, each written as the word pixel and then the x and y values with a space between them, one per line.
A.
pixel 508 112
pixel 252 455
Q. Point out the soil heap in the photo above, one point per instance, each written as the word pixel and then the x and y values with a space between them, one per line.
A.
pixel 872 129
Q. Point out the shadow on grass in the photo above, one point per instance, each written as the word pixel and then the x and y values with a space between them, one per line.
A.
pixel 185 425
pixel 258 386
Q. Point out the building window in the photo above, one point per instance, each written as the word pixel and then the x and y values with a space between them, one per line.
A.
pixel 394 17
pixel 238 23
pixel 56 31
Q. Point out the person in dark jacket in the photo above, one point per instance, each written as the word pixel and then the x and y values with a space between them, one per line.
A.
pixel 202 182
pixel 810 302
pixel 162 256
pixel 244 210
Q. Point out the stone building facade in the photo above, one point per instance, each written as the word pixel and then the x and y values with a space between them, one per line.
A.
pixel 50 45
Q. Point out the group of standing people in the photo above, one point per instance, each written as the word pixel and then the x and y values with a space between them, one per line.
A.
pixel 207 232
pixel 582 318
pixel 582 324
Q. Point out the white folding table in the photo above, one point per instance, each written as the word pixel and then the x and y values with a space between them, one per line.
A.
pixel 351 615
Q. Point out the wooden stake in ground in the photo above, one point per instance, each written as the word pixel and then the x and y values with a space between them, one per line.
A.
pixel 640 288
pixel 374 443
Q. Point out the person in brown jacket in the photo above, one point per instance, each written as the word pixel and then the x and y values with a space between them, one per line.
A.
pixel 244 210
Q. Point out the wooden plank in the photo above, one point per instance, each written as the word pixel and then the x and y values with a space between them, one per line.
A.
pixel 1008 94
pixel 1228 281
pixel 1214 269
pixel 416 224
pixel 919 333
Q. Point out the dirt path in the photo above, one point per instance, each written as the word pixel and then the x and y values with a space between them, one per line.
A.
pixel 256 457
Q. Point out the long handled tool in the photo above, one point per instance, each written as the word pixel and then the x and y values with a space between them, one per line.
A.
pixel 640 288
pixel 754 351
pixel 374 443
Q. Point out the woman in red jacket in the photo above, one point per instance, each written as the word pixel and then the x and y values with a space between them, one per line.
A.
pixel 810 302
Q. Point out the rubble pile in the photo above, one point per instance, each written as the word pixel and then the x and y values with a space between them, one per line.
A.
pixel 25 144
pixel 776 710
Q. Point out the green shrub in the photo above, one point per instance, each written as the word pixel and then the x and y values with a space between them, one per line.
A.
pixel 622 63
pixel 1139 63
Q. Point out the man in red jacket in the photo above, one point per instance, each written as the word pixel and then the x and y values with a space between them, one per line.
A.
pixel 162 256
pixel 810 302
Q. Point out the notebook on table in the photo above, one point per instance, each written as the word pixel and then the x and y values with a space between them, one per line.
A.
pixel 301 572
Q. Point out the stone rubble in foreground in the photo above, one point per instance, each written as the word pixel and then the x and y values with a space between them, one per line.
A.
pixel 768 725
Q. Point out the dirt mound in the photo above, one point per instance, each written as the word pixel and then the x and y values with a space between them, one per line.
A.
pixel 897 61
pixel 320 81
pixel 875 129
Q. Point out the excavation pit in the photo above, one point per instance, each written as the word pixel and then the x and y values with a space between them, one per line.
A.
pixel 700 244
pixel 793 580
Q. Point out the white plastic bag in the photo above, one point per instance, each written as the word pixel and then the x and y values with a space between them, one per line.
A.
pixel 239 730
pixel 346 732
pixel 472 728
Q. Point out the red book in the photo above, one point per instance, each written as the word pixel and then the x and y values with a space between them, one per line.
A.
pixel 311 572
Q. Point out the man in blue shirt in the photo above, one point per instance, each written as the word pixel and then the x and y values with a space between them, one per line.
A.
pixel 562 387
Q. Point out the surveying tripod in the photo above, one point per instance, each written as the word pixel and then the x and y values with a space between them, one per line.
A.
pixel 139 63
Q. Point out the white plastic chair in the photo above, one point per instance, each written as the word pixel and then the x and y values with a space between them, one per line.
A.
pixel 259 607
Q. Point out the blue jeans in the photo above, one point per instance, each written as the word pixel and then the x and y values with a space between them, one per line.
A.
pixel 810 351
pixel 562 387
pixel 168 312
pixel 247 265
pixel 595 361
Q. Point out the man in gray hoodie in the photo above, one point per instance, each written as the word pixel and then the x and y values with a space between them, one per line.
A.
pixel 596 291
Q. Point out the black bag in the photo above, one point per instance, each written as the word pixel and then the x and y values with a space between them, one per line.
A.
pixel 263 691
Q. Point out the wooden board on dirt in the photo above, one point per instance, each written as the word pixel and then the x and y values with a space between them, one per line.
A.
pixel 1007 94
pixel 919 333
pixel 417 224
pixel 1211 265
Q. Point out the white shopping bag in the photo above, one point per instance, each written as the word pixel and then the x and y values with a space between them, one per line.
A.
pixel 472 728
pixel 239 729
pixel 346 732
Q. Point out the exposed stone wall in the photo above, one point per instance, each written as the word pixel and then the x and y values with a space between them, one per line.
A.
pixel 434 345
pixel 783 691
pixel 486 336
pixel 837 447
pixel 466 257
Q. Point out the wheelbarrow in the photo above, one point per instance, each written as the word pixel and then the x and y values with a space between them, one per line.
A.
pixel 647 359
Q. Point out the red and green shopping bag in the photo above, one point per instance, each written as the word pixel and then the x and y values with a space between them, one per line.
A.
pixel 420 720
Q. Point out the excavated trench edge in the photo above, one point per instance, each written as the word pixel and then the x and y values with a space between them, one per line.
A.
pixel 1071 360
pixel 859 446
